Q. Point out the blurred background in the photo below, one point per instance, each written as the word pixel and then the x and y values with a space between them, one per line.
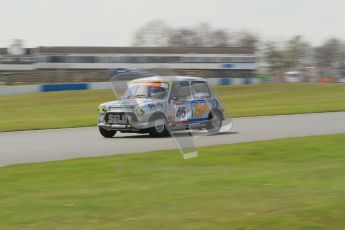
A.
pixel 235 42
pixel 263 58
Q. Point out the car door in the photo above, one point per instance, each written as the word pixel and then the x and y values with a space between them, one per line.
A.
pixel 200 105
pixel 179 111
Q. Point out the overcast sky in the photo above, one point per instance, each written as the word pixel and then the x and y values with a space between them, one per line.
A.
pixel 113 22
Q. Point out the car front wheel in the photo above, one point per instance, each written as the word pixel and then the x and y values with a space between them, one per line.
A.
pixel 107 133
pixel 159 126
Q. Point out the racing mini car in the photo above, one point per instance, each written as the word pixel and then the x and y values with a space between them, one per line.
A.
pixel 159 105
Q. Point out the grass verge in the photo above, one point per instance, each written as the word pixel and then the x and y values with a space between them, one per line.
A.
pixel 294 183
pixel 79 108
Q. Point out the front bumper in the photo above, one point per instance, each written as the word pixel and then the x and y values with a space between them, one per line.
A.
pixel 125 127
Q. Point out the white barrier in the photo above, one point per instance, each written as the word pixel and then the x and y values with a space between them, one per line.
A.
pixel 99 85
pixel 10 90
pixel 20 89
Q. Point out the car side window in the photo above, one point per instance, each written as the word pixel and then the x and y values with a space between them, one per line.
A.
pixel 180 90
pixel 200 90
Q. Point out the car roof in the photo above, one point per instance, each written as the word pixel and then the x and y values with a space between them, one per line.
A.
pixel 170 78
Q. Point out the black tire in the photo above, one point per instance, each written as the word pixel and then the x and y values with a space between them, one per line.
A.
pixel 107 133
pixel 215 122
pixel 160 129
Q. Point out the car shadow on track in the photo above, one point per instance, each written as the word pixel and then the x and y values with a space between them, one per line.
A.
pixel 182 134
pixel 223 133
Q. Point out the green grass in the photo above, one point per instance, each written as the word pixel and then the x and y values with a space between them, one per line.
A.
pixel 285 184
pixel 78 108
pixel 274 99
pixel 51 110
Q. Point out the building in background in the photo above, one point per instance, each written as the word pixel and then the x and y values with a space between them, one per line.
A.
pixel 75 64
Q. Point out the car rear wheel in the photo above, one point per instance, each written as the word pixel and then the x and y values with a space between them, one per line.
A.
pixel 215 123
pixel 107 133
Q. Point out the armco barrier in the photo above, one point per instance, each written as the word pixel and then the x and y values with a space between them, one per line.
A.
pixel 8 90
pixel 63 87
pixel 238 81
pixel 225 81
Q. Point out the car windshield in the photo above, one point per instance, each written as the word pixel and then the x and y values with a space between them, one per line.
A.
pixel 154 90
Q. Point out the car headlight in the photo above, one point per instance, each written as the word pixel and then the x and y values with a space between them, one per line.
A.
pixel 102 109
pixel 139 111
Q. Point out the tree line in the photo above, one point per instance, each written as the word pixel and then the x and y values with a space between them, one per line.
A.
pixel 295 53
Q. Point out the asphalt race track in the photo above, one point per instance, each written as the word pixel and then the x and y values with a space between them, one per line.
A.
pixel 59 144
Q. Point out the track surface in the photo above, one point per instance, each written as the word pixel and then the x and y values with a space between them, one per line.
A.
pixel 60 144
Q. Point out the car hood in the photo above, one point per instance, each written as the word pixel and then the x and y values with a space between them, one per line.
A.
pixel 131 103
